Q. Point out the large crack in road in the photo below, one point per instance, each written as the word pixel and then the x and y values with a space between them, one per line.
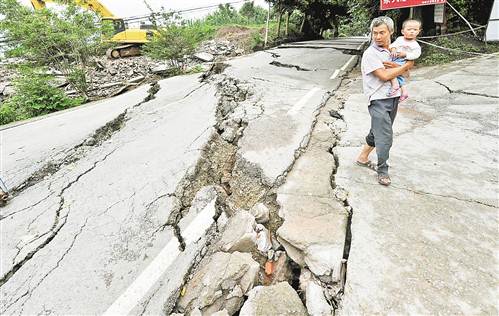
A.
pixel 226 162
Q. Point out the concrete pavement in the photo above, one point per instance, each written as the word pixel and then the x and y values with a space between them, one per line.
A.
pixel 123 223
pixel 114 223
pixel 27 146
pixel 428 243
pixel 94 224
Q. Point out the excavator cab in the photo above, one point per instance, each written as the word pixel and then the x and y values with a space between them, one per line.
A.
pixel 118 24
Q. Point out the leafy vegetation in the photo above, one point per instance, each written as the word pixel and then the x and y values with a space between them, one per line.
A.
pixel 35 94
pixel 461 43
pixel 179 38
pixel 64 41
pixel 173 41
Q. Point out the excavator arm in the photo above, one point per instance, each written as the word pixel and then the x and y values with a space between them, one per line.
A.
pixel 93 5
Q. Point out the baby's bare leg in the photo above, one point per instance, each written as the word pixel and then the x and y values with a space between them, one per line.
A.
pixel 405 94
pixel 395 86
pixel 404 90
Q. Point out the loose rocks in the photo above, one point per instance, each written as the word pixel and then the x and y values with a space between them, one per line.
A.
pixel 240 234
pixel 314 295
pixel 279 299
pixel 220 283
pixel 261 213
pixel 219 48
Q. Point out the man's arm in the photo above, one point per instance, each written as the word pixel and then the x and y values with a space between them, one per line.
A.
pixel 393 70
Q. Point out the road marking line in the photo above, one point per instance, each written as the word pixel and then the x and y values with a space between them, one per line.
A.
pixel 136 291
pixel 335 74
pixel 342 69
pixel 153 272
pixel 348 63
pixel 301 103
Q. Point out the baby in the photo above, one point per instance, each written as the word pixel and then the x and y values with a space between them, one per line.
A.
pixel 405 48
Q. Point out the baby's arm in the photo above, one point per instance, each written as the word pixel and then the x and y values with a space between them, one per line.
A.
pixel 394 47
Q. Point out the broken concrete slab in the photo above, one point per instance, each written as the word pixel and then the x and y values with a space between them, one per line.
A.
pixel 289 107
pixel 279 299
pixel 315 300
pixel 240 234
pixel 426 243
pixel 315 222
pixel 220 283
pixel 313 242
pixel 30 144
pixel 205 57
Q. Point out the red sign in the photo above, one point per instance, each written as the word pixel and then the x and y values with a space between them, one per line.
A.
pixel 396 4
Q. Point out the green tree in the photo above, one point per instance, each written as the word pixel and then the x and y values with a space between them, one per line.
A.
pixel 226 14
pixel 64 41
pixel 253 14
pixel 174 39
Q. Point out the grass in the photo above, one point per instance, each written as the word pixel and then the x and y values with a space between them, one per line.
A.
pixel 463 43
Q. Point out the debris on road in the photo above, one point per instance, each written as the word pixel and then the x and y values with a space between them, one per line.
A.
pixel 279 299
pixel 109 77
pixel 220 283
pixel 240 234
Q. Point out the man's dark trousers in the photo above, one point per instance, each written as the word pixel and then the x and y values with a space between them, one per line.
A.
pixel 383 113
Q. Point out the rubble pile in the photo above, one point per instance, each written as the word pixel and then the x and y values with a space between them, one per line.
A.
pixel 109 77
pixel 220 48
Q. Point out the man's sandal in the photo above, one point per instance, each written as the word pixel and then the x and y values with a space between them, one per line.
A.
pixel 384 180
pixel 368 164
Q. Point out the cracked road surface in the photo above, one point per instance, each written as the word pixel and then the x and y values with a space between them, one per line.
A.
pixel 106 223
pixel 27 147
pixel 428 243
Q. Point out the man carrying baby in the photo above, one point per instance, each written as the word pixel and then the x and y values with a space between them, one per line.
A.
pixel 377 72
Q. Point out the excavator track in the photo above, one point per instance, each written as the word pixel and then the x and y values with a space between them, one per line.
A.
pixel 123 51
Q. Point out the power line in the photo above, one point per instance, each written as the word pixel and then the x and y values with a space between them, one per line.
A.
pixel 142 17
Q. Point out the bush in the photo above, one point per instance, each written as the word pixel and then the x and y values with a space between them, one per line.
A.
pixel 34 95
pixel 65 41
pixel 460 43
pixel 172 43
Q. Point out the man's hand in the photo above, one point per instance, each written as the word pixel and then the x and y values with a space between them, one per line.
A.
pixel 392 70
pixel 390 64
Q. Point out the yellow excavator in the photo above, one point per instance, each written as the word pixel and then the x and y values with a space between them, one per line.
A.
pixel 129 40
